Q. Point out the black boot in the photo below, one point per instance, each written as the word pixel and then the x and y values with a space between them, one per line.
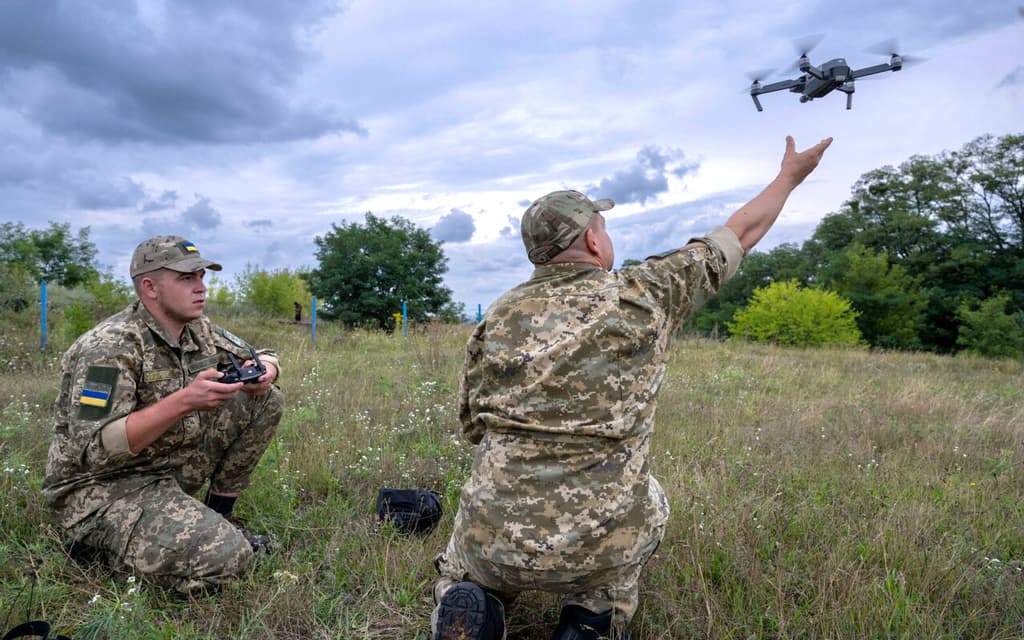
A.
pixel 466 612
pixel 577 623
pixel 260 542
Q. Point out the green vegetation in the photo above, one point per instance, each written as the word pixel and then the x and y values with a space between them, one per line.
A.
pixel 989 330
pixel 366 271
pixel 815 494
pixel 273 293
pixel 784 313
pixel 909 248
pixel 51 254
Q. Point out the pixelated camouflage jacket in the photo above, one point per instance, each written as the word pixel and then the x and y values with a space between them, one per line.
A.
pixel 137 363
pixel 559 387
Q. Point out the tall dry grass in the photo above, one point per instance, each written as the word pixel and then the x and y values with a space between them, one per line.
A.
pixel 814 493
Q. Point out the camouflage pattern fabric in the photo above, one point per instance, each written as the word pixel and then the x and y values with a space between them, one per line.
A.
pixel 558 390
pixel 167 537
pixel 140 364
pixel 551 223
pixel 168 252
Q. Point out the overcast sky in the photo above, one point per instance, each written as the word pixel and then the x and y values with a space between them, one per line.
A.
pixel 252 127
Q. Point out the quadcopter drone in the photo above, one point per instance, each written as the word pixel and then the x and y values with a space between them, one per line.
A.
pixel 836 74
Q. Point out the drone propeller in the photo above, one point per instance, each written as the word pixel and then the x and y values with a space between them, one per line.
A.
pixel 760 74
pixel 891 47
pixel 756 77
pixel 806 44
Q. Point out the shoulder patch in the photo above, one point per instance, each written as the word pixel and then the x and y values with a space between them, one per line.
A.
pixel 232 338
pixel 97 392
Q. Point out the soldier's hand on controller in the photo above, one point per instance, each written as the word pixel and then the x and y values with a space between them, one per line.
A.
pixel 262 384
pixel 207 392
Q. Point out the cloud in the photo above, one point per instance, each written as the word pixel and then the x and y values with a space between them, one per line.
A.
pixel 126 193
pixel 656 230
pixel 201 216
pixel 513 228
pixel 645 178
pixel 119 72
pixel 457 226
pixel 262 223
pixel 166 200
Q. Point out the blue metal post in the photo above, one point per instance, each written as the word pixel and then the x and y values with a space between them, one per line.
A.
pixel 405 321
pixel 42 315
pixel 479 312
pixel 312 321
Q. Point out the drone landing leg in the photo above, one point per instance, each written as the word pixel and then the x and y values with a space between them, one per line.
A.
pixel 849 101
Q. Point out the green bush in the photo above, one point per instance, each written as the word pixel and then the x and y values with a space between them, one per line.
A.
pixel 77 319
pixel 109 294
pixel 989 330
pixel 783 313
pixel 219 294
pixel 273 293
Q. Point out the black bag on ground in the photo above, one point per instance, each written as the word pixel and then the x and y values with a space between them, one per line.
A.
pixel 33 629
pixel 409 510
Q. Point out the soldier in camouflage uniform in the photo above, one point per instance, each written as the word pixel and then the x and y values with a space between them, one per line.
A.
pixel 558 393
pixel 142 423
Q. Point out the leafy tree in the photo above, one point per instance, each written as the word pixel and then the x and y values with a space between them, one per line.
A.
pixel 784 313
pixel 367 270
pixel 989 330
pixel 53 254
pixel 889 303
pixel 452 313
pixel 273 293
pixel 951 222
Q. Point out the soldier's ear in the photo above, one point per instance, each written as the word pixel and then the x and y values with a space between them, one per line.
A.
pixel 147 286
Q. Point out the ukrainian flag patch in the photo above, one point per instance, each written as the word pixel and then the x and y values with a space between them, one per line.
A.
pixel 189 247
pixel 96 397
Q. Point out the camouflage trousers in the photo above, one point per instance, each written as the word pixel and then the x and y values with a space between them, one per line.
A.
pixel 615 588
pixel 164 534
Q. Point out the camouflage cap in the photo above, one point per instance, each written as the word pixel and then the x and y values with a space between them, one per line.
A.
pixel 554 221
pixel 169 252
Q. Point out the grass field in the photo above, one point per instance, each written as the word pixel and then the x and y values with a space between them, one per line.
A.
pixel 814 494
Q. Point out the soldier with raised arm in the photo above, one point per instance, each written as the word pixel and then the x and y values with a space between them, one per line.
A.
pixel 558 393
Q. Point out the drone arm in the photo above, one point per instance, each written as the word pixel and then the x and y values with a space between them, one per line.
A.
pixel 811 70
pixel 775 86
pixel 867 71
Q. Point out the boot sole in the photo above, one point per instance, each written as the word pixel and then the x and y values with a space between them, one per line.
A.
pixel 462 613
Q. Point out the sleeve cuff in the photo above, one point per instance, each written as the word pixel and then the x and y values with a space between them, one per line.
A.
pixel 266 357
pixel 115 437
pixel 728 244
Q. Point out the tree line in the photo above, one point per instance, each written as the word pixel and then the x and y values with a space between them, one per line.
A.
pixel 365 273
pixel 929 254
